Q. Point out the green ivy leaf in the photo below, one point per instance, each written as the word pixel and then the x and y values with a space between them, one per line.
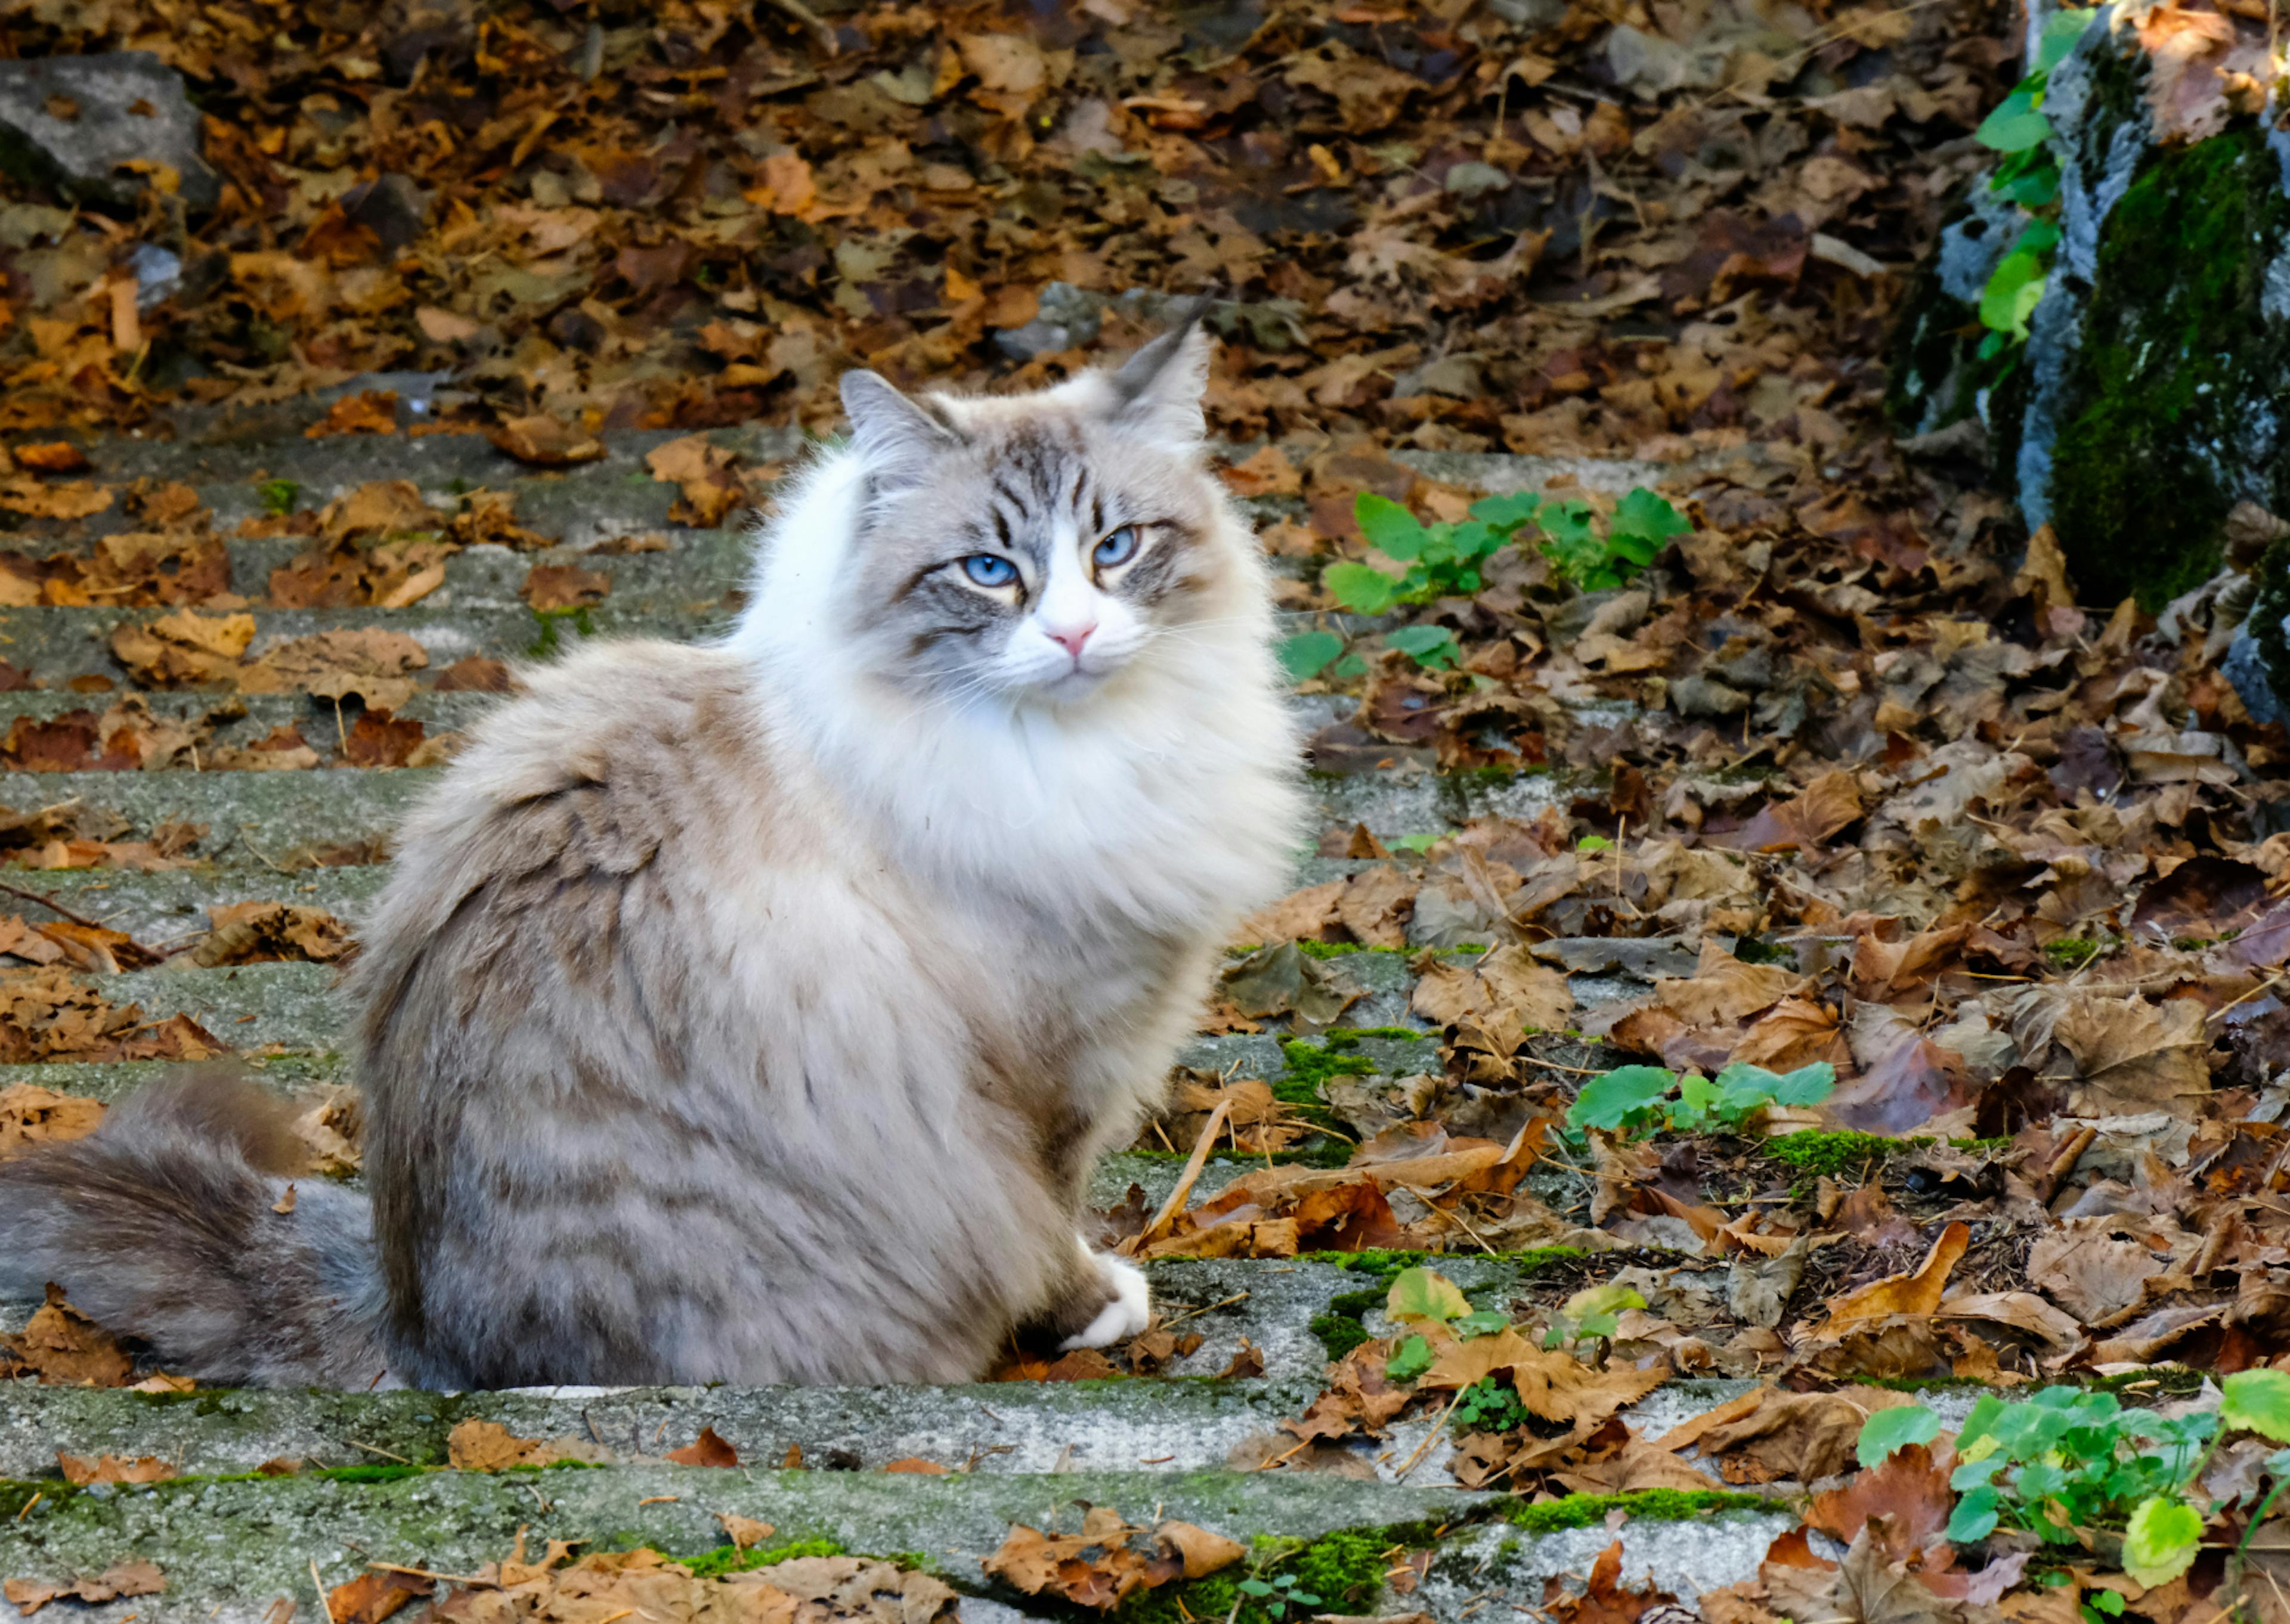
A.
pixel 1643 514
pixel 1411 1359
pixel 2015 125
pixel 1424 1293
pixel 1428 646
pixel 2258 1400
pixel 2014 290
pixel 1359 587
pixel 2161 1541
pixel 1388 527
pixel 1485 1323
pixel 1887 1430
pixel 2062 31
pixel 1507 511
pixel 1975 1516
pixel 1607 1100
pixel 1307 653
pixel 1601 1299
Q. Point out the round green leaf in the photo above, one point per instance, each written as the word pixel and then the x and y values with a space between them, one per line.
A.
pixel 1388 527
pixel 1307 653
pixel 2159 1544
pixel 1360 588
pixel 1886 1430
pixel 1413 1359
pixel 1606 1099
pixel 1422 1293
pixel 2260 1400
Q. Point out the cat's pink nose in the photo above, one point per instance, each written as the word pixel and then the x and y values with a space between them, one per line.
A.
pixel 1072 638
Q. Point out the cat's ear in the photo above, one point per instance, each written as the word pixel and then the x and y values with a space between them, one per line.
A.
pixel 1157 391
pixel 895 435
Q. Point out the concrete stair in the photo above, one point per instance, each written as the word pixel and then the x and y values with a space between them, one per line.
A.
pixel 373 1482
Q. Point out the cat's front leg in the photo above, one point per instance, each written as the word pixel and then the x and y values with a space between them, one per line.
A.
pixel 1107 1299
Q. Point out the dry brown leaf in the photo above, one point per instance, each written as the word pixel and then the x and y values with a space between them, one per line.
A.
pixel 123 1579
pixel 1724 991
pixel 30 1114
pixel 2088 1271
pixel 744 1531
pixel 1108 1560
pixel 564 586
pixel 64 1348
pixel 480 1445
pixel 271 932
pixel 546 442
pixel 113 1468
pixel 372 1598
pixel 183 649
pixel 1507 993
pixel 1918 1293
pixel 368 662
pixel 702 473
pixel 2136 1056
pixel 368 411
pixel 706 1449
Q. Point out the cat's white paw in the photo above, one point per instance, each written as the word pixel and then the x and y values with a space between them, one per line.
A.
pixel 1125 1316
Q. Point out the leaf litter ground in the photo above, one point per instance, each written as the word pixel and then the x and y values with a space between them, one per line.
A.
pixel 1842 768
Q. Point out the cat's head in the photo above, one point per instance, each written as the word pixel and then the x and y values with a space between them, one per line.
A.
pixel 1034 547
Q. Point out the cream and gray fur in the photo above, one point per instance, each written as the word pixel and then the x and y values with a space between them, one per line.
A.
pixel 754 1012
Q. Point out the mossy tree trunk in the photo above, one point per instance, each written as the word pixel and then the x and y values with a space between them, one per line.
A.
pixel 2150 395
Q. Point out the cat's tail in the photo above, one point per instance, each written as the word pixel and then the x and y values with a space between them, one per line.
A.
pixel 173 1222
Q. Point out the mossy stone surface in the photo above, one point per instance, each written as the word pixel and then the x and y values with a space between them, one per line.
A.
pixel 2179 380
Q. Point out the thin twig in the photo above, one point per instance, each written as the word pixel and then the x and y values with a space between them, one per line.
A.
pixel 1430 1438
pixel 810 20
pixel 1176 1203
pixel 384 1453
pixel 326 1604
pixel 458 1579
pixel 53 906
pixel 1212 1307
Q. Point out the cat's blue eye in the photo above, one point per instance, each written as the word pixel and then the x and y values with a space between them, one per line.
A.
pixel 989 568
pixel 1118 548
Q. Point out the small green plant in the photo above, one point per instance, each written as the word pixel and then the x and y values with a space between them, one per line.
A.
pixel 1489 1404
pixel 277 496
pixel 1448 559
pixel 551 640
pixel 1591 1316
pixel 1642 524
pixel 1280 1594
pixel 2069 1460
pixel 1636 1099
pixel 2029 175
pixel 2071 953
pixel 1442 560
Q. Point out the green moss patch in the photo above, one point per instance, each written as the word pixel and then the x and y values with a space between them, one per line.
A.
pixel 1341 1328
pixel 1829 1155
pixel 1653 1504
pixel 1345 1569
pixel 731 1559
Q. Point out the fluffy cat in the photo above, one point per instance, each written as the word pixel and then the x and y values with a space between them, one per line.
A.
pixel 754 1012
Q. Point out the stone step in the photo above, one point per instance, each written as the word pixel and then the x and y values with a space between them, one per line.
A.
pixel 55 644
pixel 292 1005
pixel 444 465
pixel 231 1547
pixel 690 563
pixel 276 814
pixel 1183 1420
